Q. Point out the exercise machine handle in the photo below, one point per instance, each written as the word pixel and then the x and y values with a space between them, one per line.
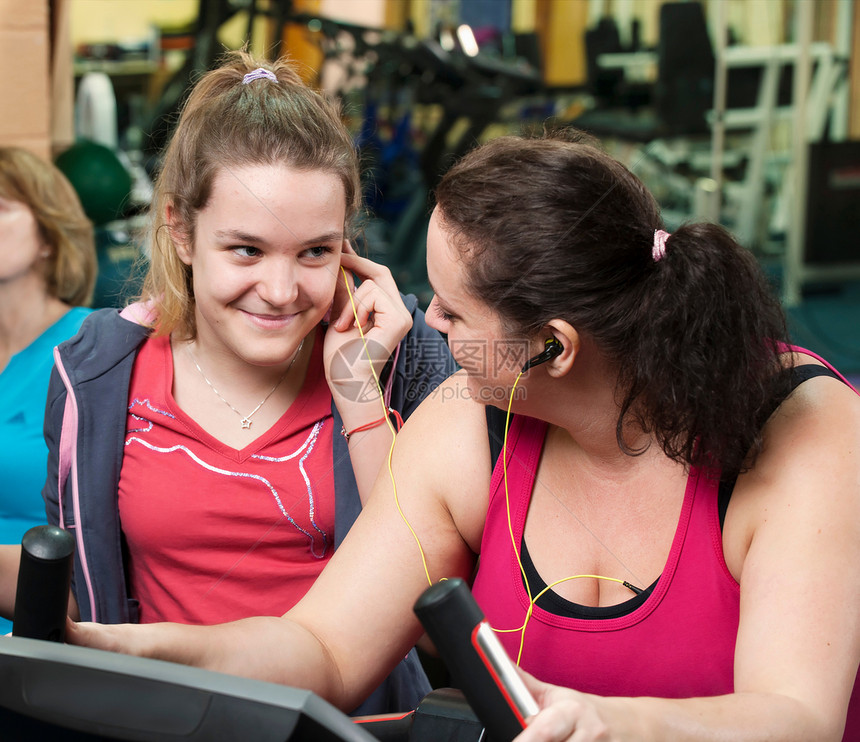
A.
pixel 478 663
pixel 44 578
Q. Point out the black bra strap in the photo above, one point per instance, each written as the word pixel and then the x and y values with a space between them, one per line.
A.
pixel 496 432
pixel 808 371
pixel 799 374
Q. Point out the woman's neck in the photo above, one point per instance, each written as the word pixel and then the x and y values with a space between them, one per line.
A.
pixel 222 366
pixel 26 311
pixel 584 403
pixel 235 403
pixel 195 362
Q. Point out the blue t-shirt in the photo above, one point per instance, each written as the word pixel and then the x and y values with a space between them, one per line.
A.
pixel 23 453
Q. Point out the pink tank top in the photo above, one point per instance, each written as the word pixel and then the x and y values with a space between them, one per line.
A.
pixel 678 643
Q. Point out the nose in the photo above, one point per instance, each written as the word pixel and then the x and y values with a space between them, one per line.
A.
pixel 278 283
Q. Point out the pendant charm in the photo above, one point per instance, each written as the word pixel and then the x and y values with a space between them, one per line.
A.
pixel 246 423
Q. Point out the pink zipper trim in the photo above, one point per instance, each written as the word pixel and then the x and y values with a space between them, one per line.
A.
pixel 141 313
pixel 389 385
pixel 68 459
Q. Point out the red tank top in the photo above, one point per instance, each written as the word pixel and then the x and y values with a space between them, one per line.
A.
pixel 215 534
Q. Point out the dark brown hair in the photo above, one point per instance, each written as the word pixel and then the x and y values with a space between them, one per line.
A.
pixel 553 227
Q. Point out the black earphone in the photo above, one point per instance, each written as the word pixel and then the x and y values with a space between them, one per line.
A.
pixel 552 348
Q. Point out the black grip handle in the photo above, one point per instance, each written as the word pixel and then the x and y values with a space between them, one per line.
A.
pixel 475 658
pixel 44 578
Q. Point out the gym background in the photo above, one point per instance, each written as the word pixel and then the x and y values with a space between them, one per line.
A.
pixel 744 112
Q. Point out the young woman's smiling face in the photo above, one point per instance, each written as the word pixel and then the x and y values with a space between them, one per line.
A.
pixel 265 260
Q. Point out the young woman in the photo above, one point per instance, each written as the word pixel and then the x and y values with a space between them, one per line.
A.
pixel 684 481
pixel 211 445
pixel 47 272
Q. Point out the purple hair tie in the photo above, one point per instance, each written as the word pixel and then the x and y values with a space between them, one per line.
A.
pixel 658 251
pixel 258 74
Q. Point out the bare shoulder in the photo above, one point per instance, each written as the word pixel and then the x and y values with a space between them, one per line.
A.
pixel 822 410
pixel 807 474
pixel 445 443
pixel 816 428
pixel 792 541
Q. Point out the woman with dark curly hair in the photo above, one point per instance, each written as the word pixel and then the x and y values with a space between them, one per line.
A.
pixel 669 540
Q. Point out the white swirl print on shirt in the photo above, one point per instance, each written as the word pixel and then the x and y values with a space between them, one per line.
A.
pixel 148 427
pixel 310 442
pixel 306 447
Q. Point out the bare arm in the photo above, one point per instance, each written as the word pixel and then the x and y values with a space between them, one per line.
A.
pixel 745 717
pixel 792 535
pixel 356 622
pixel 10 559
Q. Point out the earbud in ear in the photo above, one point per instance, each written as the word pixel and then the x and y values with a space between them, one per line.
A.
pixel 552 348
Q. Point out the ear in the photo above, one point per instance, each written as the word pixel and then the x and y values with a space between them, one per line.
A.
pixel 183 248
pixel 570 342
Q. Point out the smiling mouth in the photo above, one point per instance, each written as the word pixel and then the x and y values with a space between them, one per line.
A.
pixel 274 321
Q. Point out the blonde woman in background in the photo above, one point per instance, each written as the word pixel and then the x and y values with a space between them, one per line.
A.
pixel 47 273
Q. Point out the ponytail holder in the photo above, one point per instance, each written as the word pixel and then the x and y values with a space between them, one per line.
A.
pixel 257 74
pixel 658 251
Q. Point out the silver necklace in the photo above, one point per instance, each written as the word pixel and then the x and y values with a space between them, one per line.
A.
pixel 246 419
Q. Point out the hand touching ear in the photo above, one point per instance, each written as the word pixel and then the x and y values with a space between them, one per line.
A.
pixel 376 307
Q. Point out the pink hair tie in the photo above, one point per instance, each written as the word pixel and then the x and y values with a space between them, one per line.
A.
pixel 658 251
pixel 258 74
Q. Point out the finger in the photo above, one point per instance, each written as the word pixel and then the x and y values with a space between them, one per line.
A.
pixel 76 633
pixel 360 309
pixel 553 724
pixel 367 269
pixel 540 690
pixel 98 636
pixel 71 629
pixel 368 301
pixel 530 680
pixel 341 306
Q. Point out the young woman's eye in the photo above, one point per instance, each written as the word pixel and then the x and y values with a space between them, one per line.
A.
pixel 320 251
pixel 246 251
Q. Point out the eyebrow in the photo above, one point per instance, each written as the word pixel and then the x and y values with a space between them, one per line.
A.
pixel 327 237
pixel 236 234
pixel 239 235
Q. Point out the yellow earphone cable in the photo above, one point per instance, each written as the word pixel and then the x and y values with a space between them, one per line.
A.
pixel 505 473
pixel 385 413
pixel 532 599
